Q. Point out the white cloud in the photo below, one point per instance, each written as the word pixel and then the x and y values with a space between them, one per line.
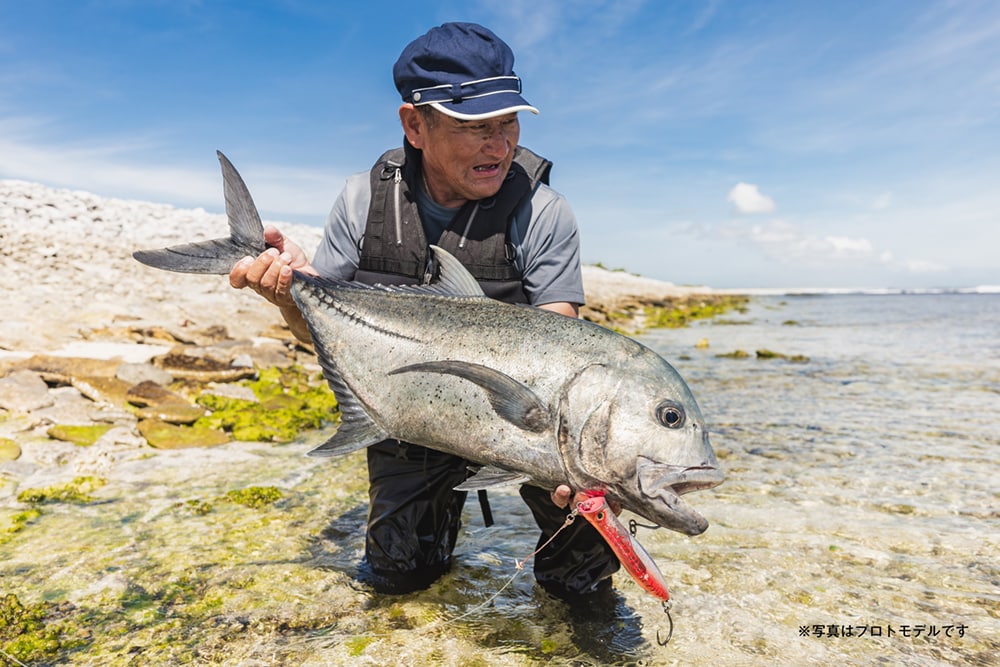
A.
pixel 790 245
pixel 845 246
pixel 923 266
pixel 882 202
pixel 117 168
pixel 748 199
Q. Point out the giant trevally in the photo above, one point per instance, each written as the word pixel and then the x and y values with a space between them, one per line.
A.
pixel 525 394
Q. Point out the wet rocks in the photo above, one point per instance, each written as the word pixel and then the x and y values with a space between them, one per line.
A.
pixel 148 393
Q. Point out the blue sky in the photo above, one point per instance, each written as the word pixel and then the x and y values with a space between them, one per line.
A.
pixel 720 142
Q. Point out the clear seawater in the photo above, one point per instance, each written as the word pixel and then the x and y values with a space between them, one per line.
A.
pixel 863 484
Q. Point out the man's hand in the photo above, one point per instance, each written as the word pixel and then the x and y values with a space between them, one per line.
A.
pixel 270 273
pixel 562 496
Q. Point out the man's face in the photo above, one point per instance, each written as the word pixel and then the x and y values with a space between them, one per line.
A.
pixel 465 160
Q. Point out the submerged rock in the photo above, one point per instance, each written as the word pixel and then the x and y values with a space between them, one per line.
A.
pixel 255 497
pixel 76 491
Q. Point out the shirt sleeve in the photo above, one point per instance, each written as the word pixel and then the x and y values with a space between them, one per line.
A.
pixel 550 249
pixel 339 251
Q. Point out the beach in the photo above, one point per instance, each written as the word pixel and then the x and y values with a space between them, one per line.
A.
pixel 116 551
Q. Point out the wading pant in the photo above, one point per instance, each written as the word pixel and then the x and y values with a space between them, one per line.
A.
pixel 414 516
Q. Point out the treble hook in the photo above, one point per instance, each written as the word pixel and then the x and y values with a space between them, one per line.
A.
pixel 670 632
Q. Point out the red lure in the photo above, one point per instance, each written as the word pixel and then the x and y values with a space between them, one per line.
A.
pixel 633 557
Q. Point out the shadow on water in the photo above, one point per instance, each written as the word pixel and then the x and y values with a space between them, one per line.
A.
pixel 339 546
pixel 476 601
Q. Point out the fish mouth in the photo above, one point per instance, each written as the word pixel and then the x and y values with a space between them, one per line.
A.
pixel 663 485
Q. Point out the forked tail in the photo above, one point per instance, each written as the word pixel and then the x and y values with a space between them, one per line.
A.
pixel 246 235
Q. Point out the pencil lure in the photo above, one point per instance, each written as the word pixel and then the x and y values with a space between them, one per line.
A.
pixel 633 557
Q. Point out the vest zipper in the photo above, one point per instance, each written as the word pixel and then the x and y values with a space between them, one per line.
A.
pixel 468 225
pixel 397 178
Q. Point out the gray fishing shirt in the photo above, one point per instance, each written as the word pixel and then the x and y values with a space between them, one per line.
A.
pixel 544 234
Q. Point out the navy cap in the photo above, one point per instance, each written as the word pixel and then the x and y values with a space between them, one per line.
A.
pixel 462 70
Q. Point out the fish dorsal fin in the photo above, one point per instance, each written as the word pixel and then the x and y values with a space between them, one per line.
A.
pixel 245 228
pixel 488 476
pixel 511 400
pixel 454 278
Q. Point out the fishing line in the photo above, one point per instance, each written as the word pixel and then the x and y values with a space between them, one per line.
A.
pixel 14 660
pixel 570 518
pixel 519 565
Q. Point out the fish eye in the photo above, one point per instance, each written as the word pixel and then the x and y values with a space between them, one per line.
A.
pixel 670 414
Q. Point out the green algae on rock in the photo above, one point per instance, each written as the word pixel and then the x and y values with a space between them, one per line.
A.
pixel 290 401
pixel 76 491
pixel 255 497
pixel 770 354
pixel 634 315
pixel 30 634
pixel 83 435
pixel 9 450
pixel 18 522
pixel 764 354
pixel 162 435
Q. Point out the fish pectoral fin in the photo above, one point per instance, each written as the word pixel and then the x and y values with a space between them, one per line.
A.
pixel 488 476
pixel 511 400
pixel 351 436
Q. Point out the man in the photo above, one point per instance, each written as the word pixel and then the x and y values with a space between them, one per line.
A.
pixel 461 182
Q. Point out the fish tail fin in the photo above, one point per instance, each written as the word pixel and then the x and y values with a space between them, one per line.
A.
pixel 246 235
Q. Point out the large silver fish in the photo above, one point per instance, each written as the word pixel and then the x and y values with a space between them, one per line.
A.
pixel 529 395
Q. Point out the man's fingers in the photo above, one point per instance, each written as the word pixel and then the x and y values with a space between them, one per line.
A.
pixel 238 276
pixel 284 286
pixel 274 238
pixel 561 495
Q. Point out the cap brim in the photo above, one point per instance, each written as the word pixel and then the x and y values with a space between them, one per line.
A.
pixel 488 106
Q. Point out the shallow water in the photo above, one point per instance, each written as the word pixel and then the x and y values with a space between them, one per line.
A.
pixel 861 492
pixel 862 485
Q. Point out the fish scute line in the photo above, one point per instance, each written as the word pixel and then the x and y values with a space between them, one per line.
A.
pixel 355 316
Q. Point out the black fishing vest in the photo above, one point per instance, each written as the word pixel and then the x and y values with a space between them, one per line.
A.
pixel 395 251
